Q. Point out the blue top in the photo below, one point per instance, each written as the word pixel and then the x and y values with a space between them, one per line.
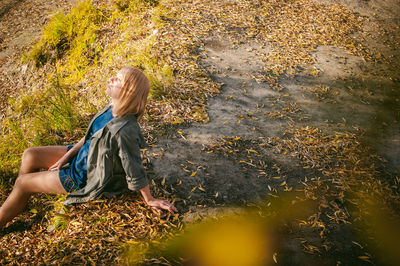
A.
pixel 78 166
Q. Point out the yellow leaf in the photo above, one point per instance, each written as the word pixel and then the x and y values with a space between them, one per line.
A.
pixel 276 177
pixel 274 257
pixel 287 189
pixel 283 183
pixel 91 260
pixel 132 242
pixel 194 173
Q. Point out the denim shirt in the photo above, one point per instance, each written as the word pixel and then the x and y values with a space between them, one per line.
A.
pixel 114 162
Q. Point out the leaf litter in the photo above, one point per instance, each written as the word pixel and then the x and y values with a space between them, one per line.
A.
pixel 293 29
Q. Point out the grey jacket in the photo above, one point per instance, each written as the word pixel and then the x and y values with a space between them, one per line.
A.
pixel 114 162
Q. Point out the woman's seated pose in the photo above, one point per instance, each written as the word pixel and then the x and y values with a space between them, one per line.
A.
pixel 105 161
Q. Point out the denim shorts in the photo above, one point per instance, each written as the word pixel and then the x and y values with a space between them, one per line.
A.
pixel 68 183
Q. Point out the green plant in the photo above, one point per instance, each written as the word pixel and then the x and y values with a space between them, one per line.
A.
pixel 73 34
pixel 59 219
pixel 59 108
pixel 13 144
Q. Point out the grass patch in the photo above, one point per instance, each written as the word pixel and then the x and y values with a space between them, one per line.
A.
pixel 59 217
pixel 49 119
pixel 72 34
pixel 67 66
pixel 58 106
pixel 66 51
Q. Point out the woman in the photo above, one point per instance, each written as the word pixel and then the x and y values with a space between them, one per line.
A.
pixel 104 162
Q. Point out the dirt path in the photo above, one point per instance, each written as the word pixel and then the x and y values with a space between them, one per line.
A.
pixel 340 92
pixel 352 94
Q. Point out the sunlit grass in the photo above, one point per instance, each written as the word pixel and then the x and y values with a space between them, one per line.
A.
pixel 73 34
pixel 71 51
pixel 73 64
pixel 39 118
pixel 59 217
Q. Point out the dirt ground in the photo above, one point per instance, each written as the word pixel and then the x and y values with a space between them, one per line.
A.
pixel 358 95
pixel 21 22
pixel 362 95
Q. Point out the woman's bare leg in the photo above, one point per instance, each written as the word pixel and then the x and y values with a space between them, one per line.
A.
pixel 30 181
pixel 25 186
pixel 36 158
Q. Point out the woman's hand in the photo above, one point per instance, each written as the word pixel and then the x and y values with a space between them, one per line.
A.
pixel 63 160
pixel 160 204
pixel 157 204
pixel 67 157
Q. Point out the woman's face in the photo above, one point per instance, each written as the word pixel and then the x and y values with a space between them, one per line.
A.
pixel 114 86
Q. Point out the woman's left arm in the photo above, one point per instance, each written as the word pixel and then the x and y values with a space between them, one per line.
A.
pixel 157 204
pixel 129 153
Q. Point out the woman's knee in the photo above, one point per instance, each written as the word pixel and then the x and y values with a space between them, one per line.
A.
pixel 29 154
pixel 30 158
pixel 20 182
pixel 23 184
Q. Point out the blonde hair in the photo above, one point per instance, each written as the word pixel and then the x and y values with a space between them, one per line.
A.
pixel 134 92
